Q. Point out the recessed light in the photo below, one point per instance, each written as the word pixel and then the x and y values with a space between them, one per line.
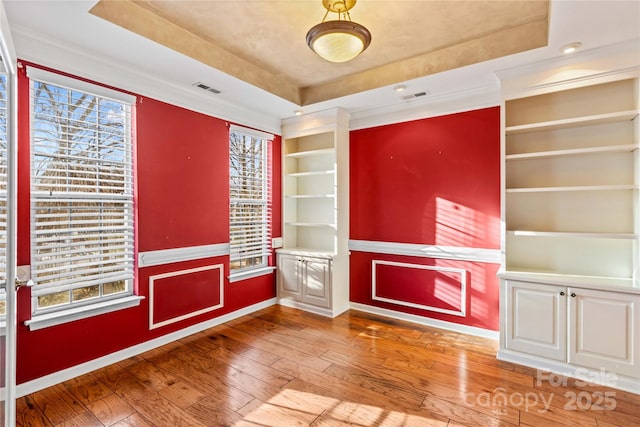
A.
pixel 570 48
pixel 298 112
pixel 399 88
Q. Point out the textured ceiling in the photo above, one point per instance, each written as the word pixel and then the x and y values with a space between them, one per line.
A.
pixel 263 42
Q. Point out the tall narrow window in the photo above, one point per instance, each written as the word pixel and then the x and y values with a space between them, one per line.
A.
pixel 250 204
pixel 81 192
pixel 3 191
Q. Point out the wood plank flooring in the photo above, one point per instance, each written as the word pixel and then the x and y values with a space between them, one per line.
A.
pixel 285 367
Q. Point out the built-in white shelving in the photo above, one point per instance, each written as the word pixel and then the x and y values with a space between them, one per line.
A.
pixel 311 153
pixel 573 122
pixel 311 173
pixel 309 188
pixel 571 185
pixel 573 152
pixel 311 224
pixel 573 188
pixel 313 264
pixel 570 275
pixel 582 281
pixel 560 234
pixel 310 196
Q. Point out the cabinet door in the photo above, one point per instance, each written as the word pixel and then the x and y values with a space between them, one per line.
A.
pixel 316 282
pixel 289 276
pixel 536 319
pixel 603 331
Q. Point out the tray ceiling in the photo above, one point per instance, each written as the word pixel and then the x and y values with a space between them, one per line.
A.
pixel 263 42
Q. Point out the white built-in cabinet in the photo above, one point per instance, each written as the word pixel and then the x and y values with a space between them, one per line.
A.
pixel 585 327
pixel 305 278
pixel 570 290
pixel 313 264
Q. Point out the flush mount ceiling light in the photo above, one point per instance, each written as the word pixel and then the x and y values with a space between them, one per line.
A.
pixel 339 40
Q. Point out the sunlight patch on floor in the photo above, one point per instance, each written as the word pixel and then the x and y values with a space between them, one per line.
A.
pixel 293 407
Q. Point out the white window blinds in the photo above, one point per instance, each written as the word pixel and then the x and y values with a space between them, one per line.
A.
pixel 81 192
pixel 250 198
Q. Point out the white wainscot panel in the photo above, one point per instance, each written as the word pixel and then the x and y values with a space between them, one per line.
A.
pixel 457 271
pixel 155 284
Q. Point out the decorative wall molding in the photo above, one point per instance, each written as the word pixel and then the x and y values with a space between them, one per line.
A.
pixel 463 287
pixel 73 59
pixel 425 321
pixel 152 286
pixel 167 256
pixel 84 368
pixel 427 251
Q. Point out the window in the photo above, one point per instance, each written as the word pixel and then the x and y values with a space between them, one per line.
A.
pixel 250 199
pixel 3 191
pixel 81 193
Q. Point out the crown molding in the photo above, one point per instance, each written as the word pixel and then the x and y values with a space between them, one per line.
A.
pixel 428 106
pixel 39 49
pixel 313 123
pixel 593 66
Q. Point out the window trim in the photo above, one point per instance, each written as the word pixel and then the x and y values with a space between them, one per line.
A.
pixel 59 314
pixel 79 85
pixel 59 317
pixel 245 273
pixel 250 273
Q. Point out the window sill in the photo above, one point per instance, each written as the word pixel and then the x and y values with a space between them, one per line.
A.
pixel 250 274
pixel 41 321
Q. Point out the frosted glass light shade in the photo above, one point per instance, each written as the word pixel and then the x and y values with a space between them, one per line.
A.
pixel 338 41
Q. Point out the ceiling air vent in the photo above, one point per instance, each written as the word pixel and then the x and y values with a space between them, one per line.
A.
pixel 414 95
pixel 206 87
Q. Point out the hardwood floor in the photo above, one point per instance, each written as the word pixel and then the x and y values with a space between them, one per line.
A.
pixel 284 367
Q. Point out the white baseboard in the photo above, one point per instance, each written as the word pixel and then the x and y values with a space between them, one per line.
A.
pixel 287 302
pixel 84 368
pixel 632 385
pixel 441 324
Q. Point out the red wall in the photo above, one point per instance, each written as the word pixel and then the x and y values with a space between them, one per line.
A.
pixel 182 178
pixel 434 181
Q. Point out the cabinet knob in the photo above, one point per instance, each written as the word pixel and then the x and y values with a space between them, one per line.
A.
pixel 573 295
pixel 561 293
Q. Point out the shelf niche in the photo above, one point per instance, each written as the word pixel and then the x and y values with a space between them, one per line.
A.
pixel 313 264
pixel 571 185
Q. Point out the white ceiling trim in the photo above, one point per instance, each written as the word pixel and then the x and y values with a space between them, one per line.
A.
pixel 586 67
pixel 428 106
pixel 40 50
